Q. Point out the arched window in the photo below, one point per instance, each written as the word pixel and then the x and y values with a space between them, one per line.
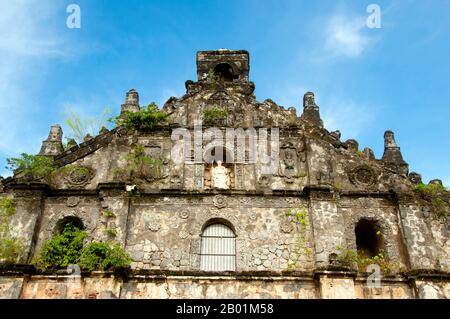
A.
pixel 218 251
pixel 369 239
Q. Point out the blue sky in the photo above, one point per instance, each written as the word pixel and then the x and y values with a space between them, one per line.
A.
pixel 366 80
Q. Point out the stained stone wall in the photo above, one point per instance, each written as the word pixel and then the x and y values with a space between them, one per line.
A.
pixel 158 216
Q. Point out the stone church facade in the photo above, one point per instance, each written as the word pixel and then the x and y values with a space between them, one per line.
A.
pixel 241 228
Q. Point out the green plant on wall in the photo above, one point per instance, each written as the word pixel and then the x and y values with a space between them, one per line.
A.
pixel 139 165
pixel 68 248
pixel 435 195
pixel 42 167
pixel 213 78
pixel 103 256
pixel 214 114
pixel 143 120
pixel 352 259
pixel 111 232
pixel 63 249
pixel 108 214
pixel 35 165
pixel 10 246
pixel 299 218
pixel 80 126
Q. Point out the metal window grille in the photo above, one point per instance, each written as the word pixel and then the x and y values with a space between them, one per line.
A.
pixel 218 251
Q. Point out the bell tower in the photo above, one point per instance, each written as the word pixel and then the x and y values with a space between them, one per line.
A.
pixel 226 65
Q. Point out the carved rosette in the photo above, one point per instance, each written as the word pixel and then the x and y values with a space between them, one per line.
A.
pixel 286 227
pixel 154 225
pixel 79 177
pixel 72 201
pixel 363 176
pixel 183 214
pixel 220 201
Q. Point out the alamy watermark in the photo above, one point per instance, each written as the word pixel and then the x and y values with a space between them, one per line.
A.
pixel 74 19
pixel 236 146
pixel 373 21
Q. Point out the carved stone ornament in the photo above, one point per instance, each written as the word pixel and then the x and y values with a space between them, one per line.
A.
pixel 79 177
pixel 183 234
pixel 286 227
pixel 73 201
pixel 154 225
pixel 362 175
pixel 183 214
pixel 289 162
pixel 220 201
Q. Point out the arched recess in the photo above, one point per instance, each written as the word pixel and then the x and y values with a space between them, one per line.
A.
pixel 369 238
pixel 63 222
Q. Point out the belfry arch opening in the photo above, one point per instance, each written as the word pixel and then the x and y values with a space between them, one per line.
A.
pixel 224 72
pixel 369 238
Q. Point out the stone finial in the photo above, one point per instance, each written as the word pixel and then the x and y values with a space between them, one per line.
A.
pixel 103 130
pixel 436 182
pixel 415 178
pixel 389 140
pixel 336 134
pixel 88 138
pixel 352 145
pixel 131 102
pixel 53 146
pixel 392 156
pixel 368 153
pixel 71 143
pixel 311 110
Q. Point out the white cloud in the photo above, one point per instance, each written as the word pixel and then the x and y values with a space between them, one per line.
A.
pixel 343 35
pixel 28 41
pixel 347 116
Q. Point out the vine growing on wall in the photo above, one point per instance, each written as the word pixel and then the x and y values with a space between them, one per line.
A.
pixel 299 217
pixel 10 246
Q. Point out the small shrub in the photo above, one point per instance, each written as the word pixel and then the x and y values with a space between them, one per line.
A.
pixel 10 246
pixel 214 114
pixel 109 214
pixel 350 258
pixel 436 195
pixel 62 250
pixel 213 77
pixel 103 256
pixel 139 165
pixel 144 120
pixel 7 208
pixel 35 165
pixel 110 232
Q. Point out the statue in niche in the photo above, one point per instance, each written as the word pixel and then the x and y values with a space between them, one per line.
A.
pixel 220 176
pixel 289 163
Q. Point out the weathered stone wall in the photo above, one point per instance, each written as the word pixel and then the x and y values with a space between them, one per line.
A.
pixel 327 285
pixel 293 218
